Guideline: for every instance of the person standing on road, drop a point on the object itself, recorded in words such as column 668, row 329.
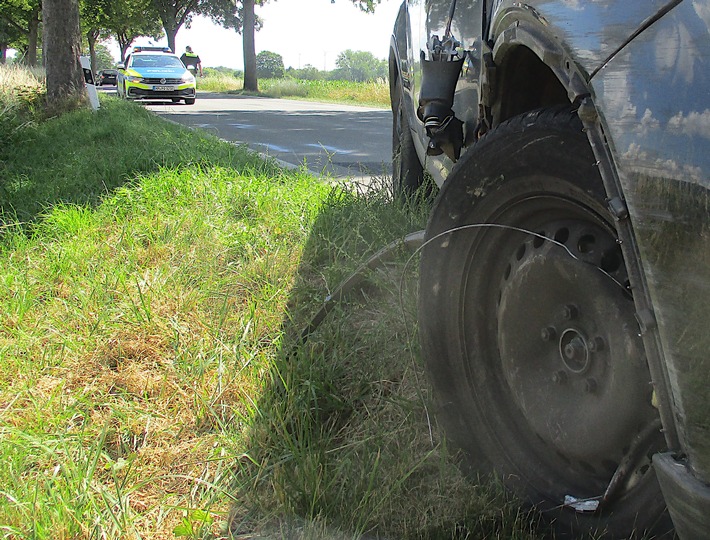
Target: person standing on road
column 192, row 60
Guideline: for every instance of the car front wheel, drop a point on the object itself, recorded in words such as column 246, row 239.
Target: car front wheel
column 528, row 329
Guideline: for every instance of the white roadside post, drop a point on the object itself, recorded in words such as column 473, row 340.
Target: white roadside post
column 89, row 78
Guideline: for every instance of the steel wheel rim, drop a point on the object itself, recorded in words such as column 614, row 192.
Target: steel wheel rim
column 556, row 346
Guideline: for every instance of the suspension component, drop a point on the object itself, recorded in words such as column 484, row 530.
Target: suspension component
column 440, row 73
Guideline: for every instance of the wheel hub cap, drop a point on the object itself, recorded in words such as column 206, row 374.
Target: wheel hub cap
column 574, row 352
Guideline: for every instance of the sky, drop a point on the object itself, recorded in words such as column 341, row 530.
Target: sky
column 302, row 31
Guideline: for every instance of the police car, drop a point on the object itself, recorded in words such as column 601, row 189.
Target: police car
column 155, row 73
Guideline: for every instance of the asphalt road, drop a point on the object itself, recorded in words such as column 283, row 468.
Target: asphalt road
column 338, row 140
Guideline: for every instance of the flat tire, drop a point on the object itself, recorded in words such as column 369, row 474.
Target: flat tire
column 528, row 330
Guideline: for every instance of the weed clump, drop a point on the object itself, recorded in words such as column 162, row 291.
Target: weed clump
column 22, row 98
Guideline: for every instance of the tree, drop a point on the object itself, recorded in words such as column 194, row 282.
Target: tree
column 176, row 13
column 61, row 49
column 239, row 15
column 128, row 19
column 9, row 36
column 104, row 58
column 244, row 20
column 306, row 73
column 250, row 23
column 21, row 21
column 242, row 17
column 249, row 47
column 269, row 65
column 236, row 14
column 94, row 22
column 359, row 66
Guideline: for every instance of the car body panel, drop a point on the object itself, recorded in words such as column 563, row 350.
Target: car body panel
column 590, row 31
column 687, row 498
column 662, row 152
column 643, row 66
column 605, row 27
column 415, row 25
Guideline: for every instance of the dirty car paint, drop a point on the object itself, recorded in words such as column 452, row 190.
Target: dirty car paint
column 655, row 99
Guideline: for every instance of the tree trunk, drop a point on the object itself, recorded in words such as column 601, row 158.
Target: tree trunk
column 62, row 48
column 32, row 38
column 91, row 37
column 124, row 50
column 250, row 82
column 3, row 53
column 122, row 46
column 170, row 33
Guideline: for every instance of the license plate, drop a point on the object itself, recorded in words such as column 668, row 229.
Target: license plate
column 164, row 88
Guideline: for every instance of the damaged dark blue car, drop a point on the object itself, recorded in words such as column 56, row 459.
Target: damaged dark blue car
column 565, row 277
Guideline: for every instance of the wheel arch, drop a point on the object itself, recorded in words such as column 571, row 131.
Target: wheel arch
column 393, row 72
column 532, row 70
column 397, row 52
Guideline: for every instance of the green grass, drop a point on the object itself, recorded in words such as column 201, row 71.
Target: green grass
column 217, row 81
column 368, row 93
column 21, row 93
column 154, row 282
column 53, row 164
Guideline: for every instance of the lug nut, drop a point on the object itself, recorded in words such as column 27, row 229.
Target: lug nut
column 570, row 312
column 596, row 344
column 559, row 377
column 548, row 333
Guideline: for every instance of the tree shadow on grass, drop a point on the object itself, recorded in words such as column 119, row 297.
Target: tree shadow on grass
column 315, row 439
column 342, row 443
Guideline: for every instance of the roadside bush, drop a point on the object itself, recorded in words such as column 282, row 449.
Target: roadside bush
column 219, row 81
column 283, row 87
column 358, row 66
column 307, row 73
column 269, row 65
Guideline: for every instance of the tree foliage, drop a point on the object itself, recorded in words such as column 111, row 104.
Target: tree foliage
column 94, row 24
column 269, row 65
column 13, row 21
column 306, row 73
column 174, row 14
column 104, row 58
column 225, row 13
column 20, row 26
column 368, row 6
column 129, row 19
column 9, row 37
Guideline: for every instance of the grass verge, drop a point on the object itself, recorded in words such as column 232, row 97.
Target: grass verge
column 151, row 380
column 375, row 94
